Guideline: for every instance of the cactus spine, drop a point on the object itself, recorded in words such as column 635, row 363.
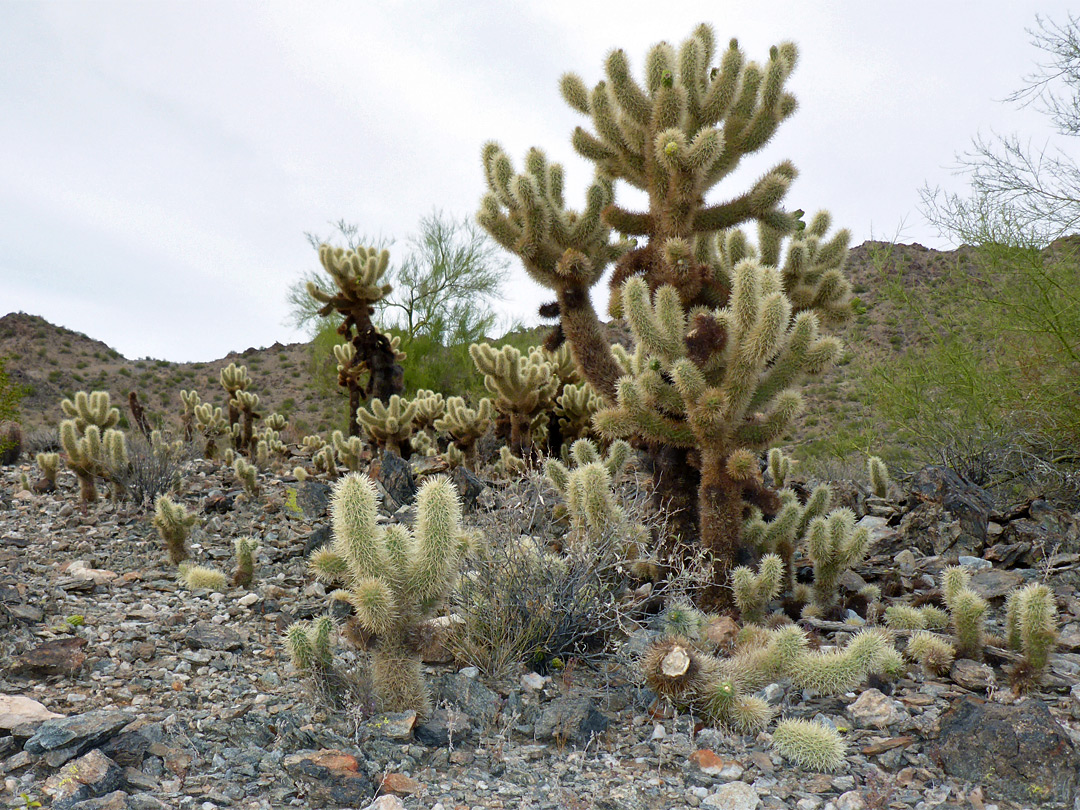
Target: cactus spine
column 393, row 577
column 724, row 330
column 174, row 525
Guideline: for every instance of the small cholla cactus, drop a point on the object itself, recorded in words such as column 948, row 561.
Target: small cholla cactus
column 394, row 578
column 198, row 577
column 389, row 426
column 309, row 645
column 904, row 617
column 676, row 669
column 834, row 671
column 211, row 423
column 834, row 545
column 246, row 547
column 49, row 463
column 779, row 467
column 466, row 426
column 247, row 474
column 879, row 476
column 233, row 379
column 91, row 409
column 174, row 525
column 191, row 401
column 967, row 612
column 349, row 451
column 245, row 402
column 524, row 387
column 753, row 592
column 1031, row 623
column 809, row 744
column 324, row 462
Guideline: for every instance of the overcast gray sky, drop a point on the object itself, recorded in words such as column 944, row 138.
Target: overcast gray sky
column 160, row 162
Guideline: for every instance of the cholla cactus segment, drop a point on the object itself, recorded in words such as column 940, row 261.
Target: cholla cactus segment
column 686, row 621
column 49, row 464
column 753, row 591
column 834, row 546
column 198, row 577
column 779, row 467
column 324, row 461
column 954, row 579
column 934, row 654
column 354, row 510
column 1031, row 623
column 809, row 744
column 328, row 566
column 313, row 442
column 935, row 617
column 879, row 476
column 91, row 409
column 388, row 426
column 835, row 671
column 174, row 525
column 904, row 617
column 246, row 548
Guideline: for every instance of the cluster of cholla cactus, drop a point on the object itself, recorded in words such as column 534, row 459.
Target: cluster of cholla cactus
column 393, row 577
column 309, row 645
column 93, row 447
column 465, row 426
column 389, row 425
column 679, row 667
column 49, row 464
column 724, row 329
column 173, row 524
column 524, row 386
column 587, row 490
column 1031, row 626
column 371, row 370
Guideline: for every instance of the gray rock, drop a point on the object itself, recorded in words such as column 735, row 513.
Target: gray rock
column 468, row 486
column 875, row 710
column 733, row 796
column 395, row 476
column 444, row 727
column 81, row 732
column 330, row 777
column 207, row 636
column 469, row 695
column 1020, row 752
column 570, row 719
column 314, row 499
column 994, row 583
column 320, row 537
column 88, row 777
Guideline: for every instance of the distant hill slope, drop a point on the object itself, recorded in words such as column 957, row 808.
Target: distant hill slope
column 55, row 362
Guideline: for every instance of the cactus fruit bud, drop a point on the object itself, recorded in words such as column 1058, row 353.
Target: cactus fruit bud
column 809, row 744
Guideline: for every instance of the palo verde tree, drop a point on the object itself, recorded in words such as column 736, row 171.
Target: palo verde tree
column 725, row 328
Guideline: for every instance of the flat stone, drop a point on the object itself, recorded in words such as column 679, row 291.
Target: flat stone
column 314, row 499
column 89, row 776
column 61, row 656
column 573, row 719
column 206, row 636
column 995, row 583
column 972, row 675
column 872, row 709
column 330, row 777
column 19, row 710
column 400, row 784
column 117, row 800
column 471, row 696
column 1017, row 752
column 80, row 732
column 445, row 727
column 720, row 631
column 393, row 725
column 393, row 474
column 733, row 796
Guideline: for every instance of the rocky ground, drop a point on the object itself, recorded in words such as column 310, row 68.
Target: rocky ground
column 120, row 688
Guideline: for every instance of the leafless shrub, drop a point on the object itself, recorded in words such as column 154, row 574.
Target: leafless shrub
column 41, row 440
column 150, row 471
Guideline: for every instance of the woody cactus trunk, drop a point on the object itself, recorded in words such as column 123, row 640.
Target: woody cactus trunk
column 356, row 275
column 724, row 328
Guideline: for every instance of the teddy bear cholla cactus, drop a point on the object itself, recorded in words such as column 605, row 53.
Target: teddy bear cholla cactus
column 174, row 525
column 393, row 577
column 389, row 426
column 1031, row 623
column 466, row 425
column 724, row 330
column 524, row 386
